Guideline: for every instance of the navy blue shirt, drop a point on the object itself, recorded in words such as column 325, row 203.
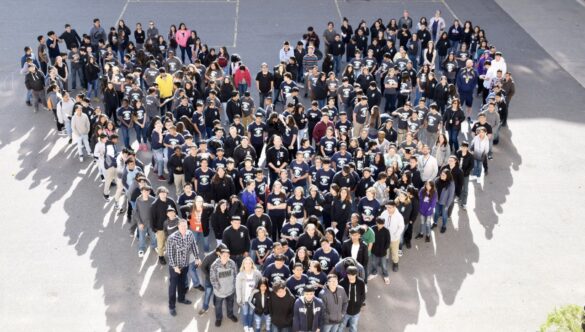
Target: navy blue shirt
column 295, row 230
column 298, row 170
column 368, row 210
column 327, row 260
column 273, row 274
column 262, row 247
column 257, row 133
column 323, row 179
column 297, row 286
column 296, row 206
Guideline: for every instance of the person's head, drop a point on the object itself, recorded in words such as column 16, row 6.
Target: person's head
column 332, row 281
column 391, row 207
column 352, row 273
column 183, row 226
column 325, row 244
column 354, row 234
column 309, row 293
column 279, row 288
column 247, row 264
column 224, row 256
column 310, row 229
column 236, row 222
column 298, row 270
column 171, row 213
column 279, row 261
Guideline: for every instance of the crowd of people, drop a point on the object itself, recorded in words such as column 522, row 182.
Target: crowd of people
column 359, row 140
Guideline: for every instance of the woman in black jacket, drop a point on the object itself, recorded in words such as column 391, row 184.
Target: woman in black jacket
column 111, row 102
column 220, row 219
column 260, row 301
column 404, row 206
column 443, row 46
column 319, row 91
column 222, row 185
column 341, row 210
column 314, row 203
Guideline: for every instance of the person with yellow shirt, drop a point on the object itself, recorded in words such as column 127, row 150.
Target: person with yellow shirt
column 165, row 88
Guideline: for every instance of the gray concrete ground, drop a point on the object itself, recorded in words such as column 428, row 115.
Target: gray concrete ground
column 69, row 264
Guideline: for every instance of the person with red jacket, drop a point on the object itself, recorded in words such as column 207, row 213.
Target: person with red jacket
column 242, row 79
column 321, row 128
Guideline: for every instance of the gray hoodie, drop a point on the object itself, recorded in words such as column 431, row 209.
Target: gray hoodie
column 335, row 305
column 241, row 285
column 143, row 213
column 223, row 278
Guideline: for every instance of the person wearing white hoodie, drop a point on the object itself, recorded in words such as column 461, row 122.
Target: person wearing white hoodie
column 394, row 221
column 480, row 147
column 65, row 112
column 80, row 127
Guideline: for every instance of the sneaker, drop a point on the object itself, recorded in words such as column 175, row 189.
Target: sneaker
column 173, row 312
column 469, row 119
column 372, row 277
column 408, row 246
column 140, row 253
column 399, row 253
column 62, row 133
column 387, row 280
column 200, row 288
column 427, row 238
column 185, row 301
column 433, row 226
column 418, row 236
column 395, row 267
column 162, row 260
column 80, row 159
column 202, row 311
column 443, row 229
column 218, row 323
column 161, row 178
column 233, row 319
column 490, row 156
column 28, row 103
column 463, row 207
column 70, row 141
column 107, row 198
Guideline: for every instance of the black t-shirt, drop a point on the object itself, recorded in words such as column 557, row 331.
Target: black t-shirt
column 264, row 81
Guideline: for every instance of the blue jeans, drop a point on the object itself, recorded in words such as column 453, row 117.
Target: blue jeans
column 247, row 315
column 92, row 86
column 140, row 134
column 321, row 103
column 28, row 96
column 376, row 262
column 208, row 294
column 242, row 88
column 199, row 237
column 76, row 73
column 337, row 63
column 159, row 160
column 332, row 327
column 425, row 225
column 441, row 211
column 280, row 329
column 477, row 166
column 192, row 274
column 453, row 138
column 390, row 103
column 353, row 322
column 218, row 304
column 258, row 319
column 125, row 134
column 142, row 238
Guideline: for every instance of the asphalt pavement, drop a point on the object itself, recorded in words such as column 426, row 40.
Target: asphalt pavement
column 69, row 264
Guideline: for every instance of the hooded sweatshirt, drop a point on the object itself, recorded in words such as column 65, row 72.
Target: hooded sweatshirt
column 223, row 278
column 335, row 304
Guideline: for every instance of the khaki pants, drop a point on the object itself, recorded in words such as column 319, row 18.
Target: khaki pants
column 246, row 120
column 401, row 136
column 357, row 129
column 161, row 242
column 110, row 175
column 394, row 245
column 179, row 183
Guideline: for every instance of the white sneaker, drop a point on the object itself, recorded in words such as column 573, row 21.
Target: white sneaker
column 387, row 280
column 399, row 253
column 372, row 277
column 141, row 254
column 80, row 159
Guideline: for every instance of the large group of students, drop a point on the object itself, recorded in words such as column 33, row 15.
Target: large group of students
column 359, row 140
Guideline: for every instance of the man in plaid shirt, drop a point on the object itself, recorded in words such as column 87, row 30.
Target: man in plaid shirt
column 179, row 245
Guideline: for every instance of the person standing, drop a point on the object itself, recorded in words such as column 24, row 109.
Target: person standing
column 35, row 82
column 335, row 305
column 428, row 165
column 159, row 215
column 446, row 194
column 466, row 163
column 205, row 268
column 222, row 275
column 237, row 239
column 308, row 312
column 355, row 288
column 143, row 218
column 281, row 307
column 380, row 251
column 80, row 127
column 180, row 245
column 394, row 222
column 246, row 282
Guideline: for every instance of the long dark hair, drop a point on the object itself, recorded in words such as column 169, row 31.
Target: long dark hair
column 430, row 193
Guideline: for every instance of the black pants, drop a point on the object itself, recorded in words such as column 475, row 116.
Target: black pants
column 277, row 222
column 408, row 232
column 258, row 148
column 59, row 125
column 177, row 285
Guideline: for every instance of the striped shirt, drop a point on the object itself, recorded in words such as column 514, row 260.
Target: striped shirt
column 179, row 247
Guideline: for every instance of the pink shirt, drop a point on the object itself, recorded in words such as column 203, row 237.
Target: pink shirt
column 182, row 36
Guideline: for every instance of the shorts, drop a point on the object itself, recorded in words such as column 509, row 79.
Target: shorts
column 466, row 98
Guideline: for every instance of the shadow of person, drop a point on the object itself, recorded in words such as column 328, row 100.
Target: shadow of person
column 491, row 191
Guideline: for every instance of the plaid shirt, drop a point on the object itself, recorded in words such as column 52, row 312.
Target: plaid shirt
column 178, row 247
